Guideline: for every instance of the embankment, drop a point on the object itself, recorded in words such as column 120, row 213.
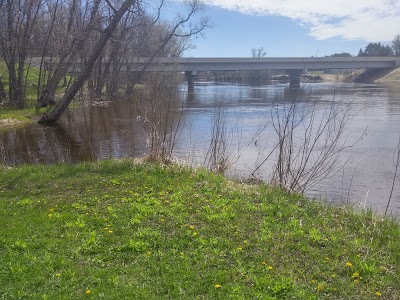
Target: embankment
column 392, row 77
column 373, row 76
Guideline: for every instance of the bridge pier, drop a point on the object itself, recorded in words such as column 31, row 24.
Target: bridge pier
column 294, row 77
column 190, row 77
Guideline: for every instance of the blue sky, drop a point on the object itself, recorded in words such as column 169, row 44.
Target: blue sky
column 293, row 27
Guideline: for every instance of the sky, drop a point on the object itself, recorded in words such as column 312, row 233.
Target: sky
column 292, row 27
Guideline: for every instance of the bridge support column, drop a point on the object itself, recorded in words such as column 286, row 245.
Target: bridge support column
column 294, row 77
column 190, row 77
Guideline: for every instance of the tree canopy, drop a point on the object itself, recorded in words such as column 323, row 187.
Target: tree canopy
column 376, row 49
column 342, row 54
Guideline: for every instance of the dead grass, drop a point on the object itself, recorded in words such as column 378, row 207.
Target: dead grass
column 393, row 76
column 12, row 122
column 333, row 77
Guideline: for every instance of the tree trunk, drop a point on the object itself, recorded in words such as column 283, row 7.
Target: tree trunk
column 2, row 91
column 87, row 69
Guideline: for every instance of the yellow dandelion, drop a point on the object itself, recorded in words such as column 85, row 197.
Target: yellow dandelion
column 313, row 281
column 106, row 228
column 217, row 286
column 110, row 231
column 264, row 263
column 245, row 241
column 194, row 233
column 87, row 292
column 355, row 275
column 378, row 294
column 320, row 287
column 191, row 227
column 162, row 220
column 148, row 253
column 270, row 267
column 349, row 264
column 58, row 275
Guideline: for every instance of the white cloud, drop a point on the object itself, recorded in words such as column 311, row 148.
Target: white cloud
column 370, row 20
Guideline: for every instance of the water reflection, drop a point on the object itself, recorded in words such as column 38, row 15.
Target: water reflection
column 96, row 131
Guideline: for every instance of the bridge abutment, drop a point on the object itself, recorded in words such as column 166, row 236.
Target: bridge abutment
column 190, row 77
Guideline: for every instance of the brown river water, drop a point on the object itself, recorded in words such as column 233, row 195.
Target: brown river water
column 101, row 130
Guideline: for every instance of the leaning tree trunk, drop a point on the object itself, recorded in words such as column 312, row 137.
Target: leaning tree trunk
column 86, row 71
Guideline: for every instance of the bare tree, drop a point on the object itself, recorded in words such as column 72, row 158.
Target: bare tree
column 257, row 75
column 159, row 113
column 17, row 22
column 87, row 69
column 309, row 146
column 218, row 158
column 69, row 54
column 104, row 36
column 181, row 28
column 396, row 45
column 258, row 53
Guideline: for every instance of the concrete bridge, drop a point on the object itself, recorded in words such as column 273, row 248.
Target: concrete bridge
column 293, row 66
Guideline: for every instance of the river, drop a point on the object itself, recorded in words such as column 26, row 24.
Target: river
column 99, row 130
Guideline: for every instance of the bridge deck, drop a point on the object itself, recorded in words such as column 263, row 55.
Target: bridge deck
column 194, row 64
column 268, row 63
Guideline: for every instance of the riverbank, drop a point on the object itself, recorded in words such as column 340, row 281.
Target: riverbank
column 391, row 77
column 369, row 76
column 14, row 118
column 113, row 229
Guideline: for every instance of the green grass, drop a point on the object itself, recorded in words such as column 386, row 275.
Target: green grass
column 140, row 231
column 12, row 117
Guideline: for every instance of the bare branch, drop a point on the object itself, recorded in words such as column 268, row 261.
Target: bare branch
column 111, row 6
column 397, row 163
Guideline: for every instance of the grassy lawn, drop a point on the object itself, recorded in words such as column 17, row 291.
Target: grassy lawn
column 118, row 230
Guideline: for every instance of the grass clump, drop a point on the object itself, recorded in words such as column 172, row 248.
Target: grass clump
column 13, row 118
column 118, row 230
